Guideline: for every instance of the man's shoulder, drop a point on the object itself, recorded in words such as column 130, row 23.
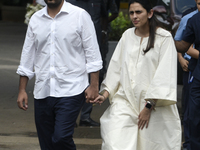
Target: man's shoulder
column 194, row 20
column 196, row 16
column 39, row 13
column 188, row 16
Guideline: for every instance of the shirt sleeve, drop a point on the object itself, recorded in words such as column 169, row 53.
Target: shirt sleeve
column 189, row 34
column 90, row 44
column 27, row 57
column 180, row 31
column 163, row 87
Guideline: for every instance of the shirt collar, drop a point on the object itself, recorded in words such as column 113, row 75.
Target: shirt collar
column 65, row 8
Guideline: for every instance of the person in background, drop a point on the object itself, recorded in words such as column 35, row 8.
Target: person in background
column 112, row 11
column 141, row 84
column 188, row 64
column 98, row 12
column 192, row 36
column 60, row 49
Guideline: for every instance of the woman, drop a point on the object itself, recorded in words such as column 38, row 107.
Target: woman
column 141, row 78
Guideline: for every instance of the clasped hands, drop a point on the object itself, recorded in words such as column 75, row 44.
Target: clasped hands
column 92, row 96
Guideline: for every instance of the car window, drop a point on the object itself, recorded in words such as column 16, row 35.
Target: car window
column 183, row 5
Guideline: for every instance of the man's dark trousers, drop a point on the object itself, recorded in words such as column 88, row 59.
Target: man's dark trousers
column 55, row 119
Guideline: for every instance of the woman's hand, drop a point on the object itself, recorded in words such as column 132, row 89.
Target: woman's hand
column 100, row 99
column 144, row 117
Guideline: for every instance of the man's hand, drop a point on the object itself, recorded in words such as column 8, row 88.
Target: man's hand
column 93, row 90
column 91, row 93
column 144, row 117
column 22, row 100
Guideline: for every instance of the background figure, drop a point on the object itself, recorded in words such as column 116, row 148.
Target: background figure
column 98, row 12
column 112, row 9
column 139, row 78
column 57, row 36
column 192, row 35
column 187, row 65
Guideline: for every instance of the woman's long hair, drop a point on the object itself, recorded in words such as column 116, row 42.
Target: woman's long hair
column 153, row 22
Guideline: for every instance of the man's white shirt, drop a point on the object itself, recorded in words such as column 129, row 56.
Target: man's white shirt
column 60, row 52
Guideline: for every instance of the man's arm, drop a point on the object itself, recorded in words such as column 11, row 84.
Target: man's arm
column 182, row 46
column 93, row 90
column 22, row 99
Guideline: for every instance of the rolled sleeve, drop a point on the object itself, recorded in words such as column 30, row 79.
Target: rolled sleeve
column 94, row 66
column 25, row 72
column 28, row 54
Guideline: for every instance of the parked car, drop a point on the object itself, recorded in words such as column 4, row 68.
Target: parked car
column 169, row 13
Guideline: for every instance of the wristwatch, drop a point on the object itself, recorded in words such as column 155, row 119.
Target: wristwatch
column 148, row 105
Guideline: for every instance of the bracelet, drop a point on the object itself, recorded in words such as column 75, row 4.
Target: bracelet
column 103, row 96
column 152, row 102
column 105, row 32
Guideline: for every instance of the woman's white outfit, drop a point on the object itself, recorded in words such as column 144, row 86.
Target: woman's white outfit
column 134, row 77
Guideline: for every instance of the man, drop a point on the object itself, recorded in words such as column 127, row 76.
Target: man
column 60, row 49
column 192, row 35
column 98, row 12
column 187, row 63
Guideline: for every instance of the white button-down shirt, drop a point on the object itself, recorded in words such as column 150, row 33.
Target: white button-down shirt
column 60, row 52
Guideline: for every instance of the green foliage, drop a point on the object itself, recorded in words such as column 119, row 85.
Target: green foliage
column 118, row 26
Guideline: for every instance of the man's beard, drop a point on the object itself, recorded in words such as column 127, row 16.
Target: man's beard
column 53, row 5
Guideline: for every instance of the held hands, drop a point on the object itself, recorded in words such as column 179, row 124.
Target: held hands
column 91, row 93
column 99, row 100
column 144, row 117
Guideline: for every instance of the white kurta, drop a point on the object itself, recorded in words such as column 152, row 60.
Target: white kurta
column 132, row 78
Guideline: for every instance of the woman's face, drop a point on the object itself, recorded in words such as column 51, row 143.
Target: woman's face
column 139, row 15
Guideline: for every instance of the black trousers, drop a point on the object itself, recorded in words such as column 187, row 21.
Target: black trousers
column 55, row 119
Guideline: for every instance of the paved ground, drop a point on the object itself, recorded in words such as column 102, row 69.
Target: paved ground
column 17, row 129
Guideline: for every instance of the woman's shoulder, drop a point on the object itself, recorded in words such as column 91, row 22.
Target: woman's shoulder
column 162, row 32
column 129, row 32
